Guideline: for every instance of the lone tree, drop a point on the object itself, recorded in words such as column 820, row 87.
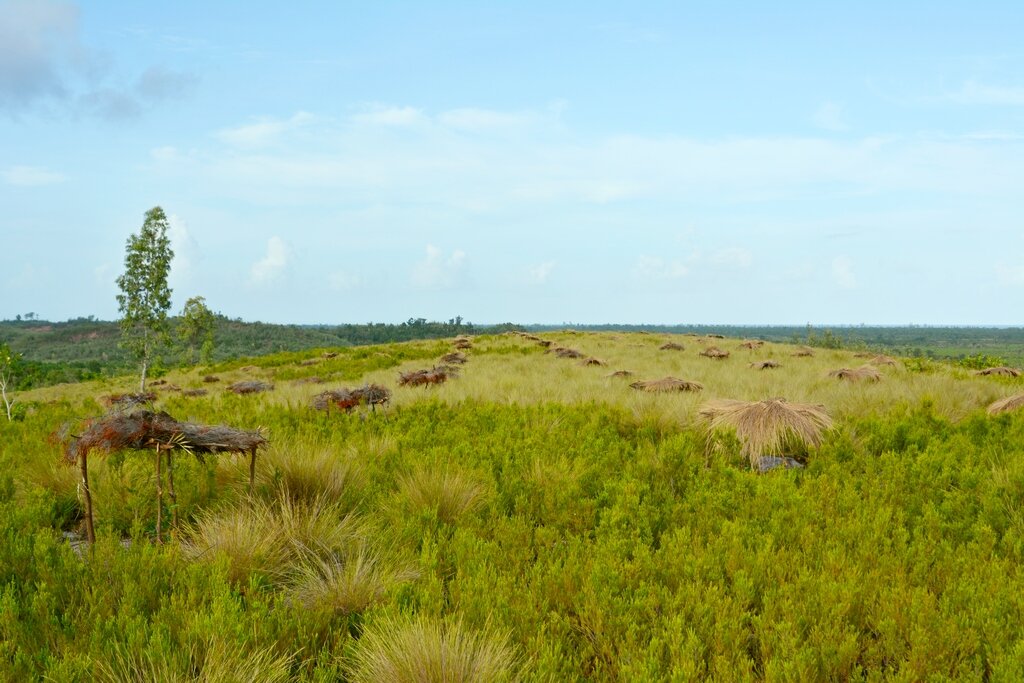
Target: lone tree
column 196, row 329
column 9, row 361
column 145, row 297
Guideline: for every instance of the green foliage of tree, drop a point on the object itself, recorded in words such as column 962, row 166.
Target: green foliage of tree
column 196, row 329
column 10, row 363
column 145, row 296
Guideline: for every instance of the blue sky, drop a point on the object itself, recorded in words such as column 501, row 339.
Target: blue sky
column 661, row 162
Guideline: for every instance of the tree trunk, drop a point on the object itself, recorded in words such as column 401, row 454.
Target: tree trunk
column 159, row 497
column 170, row 492
column 145, row 369
column 90, row 533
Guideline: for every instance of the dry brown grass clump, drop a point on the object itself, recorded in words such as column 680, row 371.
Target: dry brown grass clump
column 451, row 494
column 211, row 378
column 671, row 346
column 546, row 343
column 455, row 357
column 773, row 427
column 667, row 384
column 250, row 387
column 462, row 343
column 765, row 364
column 803, row 352
column 714, row 353
column 195, row 392
column 593, row 361
column 621, row 373
column 563, row 352
column 436, row 375
column 864, row 373
column 428, row 650
column 999, row 371
column 1005, row 405
column 752, row 344
column 882, row 359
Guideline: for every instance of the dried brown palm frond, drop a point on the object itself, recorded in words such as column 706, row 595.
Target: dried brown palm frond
column 593, row 361
column 774, row 427
column 714, row 353
column 999, row 371
column 752, row 344
column 765, row 364
column 436, row 375
column 250, row 387
column 1005, row 405
column 882, row 359
column 671, row 346
column 455, row 357
column 667, row 384
column 864, row 373
column 803, row 352
column 620, row 373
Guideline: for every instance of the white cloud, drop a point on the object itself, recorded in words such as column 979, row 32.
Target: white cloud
column 657, row 268
column 982, row 94
column 438, row 271
column 733, row 257
column 472, row 118
column 186, row 249
column 383, row 115
column 271, row 266
column 540, row 273
column 164, row 154
column 31, row 176
column 842, row 272
column 344, row 281
column 829, row 116
column 263, row 131
column 1011, row 276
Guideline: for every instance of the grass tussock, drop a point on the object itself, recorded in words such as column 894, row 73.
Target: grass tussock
column 312, row 473
column 451, row 493
column 349, row 581
column 773, row 427
column 215, row 661
column 428, row 651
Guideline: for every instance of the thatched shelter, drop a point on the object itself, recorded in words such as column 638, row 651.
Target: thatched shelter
column 752, row 344
column 209, row 379
column 129, row 401
column 563, row 352
column 455, row 357
column 372, row 395
column 546, row 343
column 620, row 373
column 714, row 353
column 145, row 429
column 999, row 371
column 882, row 359
column 765, row 365
column 593, row 361
column 1008, row 404
column 667, row 384
column 435, row 375
column 250, row 387
column 462, row 343
column 803, row 352
column 865, row 373
column 671, row 346
column 768, row 428
column 715, row 336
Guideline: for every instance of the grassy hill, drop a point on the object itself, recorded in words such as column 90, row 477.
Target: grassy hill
column 533, row 517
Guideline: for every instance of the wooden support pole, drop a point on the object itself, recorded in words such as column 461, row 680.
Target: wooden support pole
column 90, row 533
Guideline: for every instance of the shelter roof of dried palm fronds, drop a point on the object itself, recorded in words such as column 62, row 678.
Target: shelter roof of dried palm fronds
column 211, row 378
column 771, row 427
column 667, row 384
column 765, row 364
column 620, row 373
column 195, row 392
column 347, row 399
column 864, row 373
column 128, row 401
column 593, row 361
column 437, row 375
column 714, row 352
column 671, row 346
column 148, row 429
column 454, row 357
column 803, row 352
column 1005, row 405
column 752, row 344
column 882, row 359
column 463, row 344
column 715, row 336
column 999, row 371
column 563, row 352
column 546, row 343
column 250, row 387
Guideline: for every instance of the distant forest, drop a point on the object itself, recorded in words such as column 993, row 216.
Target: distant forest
column 85, row 348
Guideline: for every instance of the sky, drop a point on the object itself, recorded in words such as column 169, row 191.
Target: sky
column 571, row 162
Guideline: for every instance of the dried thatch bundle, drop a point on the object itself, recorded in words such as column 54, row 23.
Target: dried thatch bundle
column 346, row 399
column 250, row 387
column 437, row 375
column 773, row 427
column 667, row 384
column 593, row 361
column 715, row 336
column 463, row 345
column 621, row 373
column 1005, row 405
column 715, row 353
column 129, row 401
column 454, row 357
column 882, row 359
column 195, row 392
column 158, row 382
column 1000, row 371
column 803, row 352
column 563, row 352
column 671, row 346
column 864, row 373
column 752, row 344
column 546, row 343
column 211, row 378
column 765, row 365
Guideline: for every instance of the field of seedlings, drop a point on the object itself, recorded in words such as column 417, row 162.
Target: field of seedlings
column 560, row 507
